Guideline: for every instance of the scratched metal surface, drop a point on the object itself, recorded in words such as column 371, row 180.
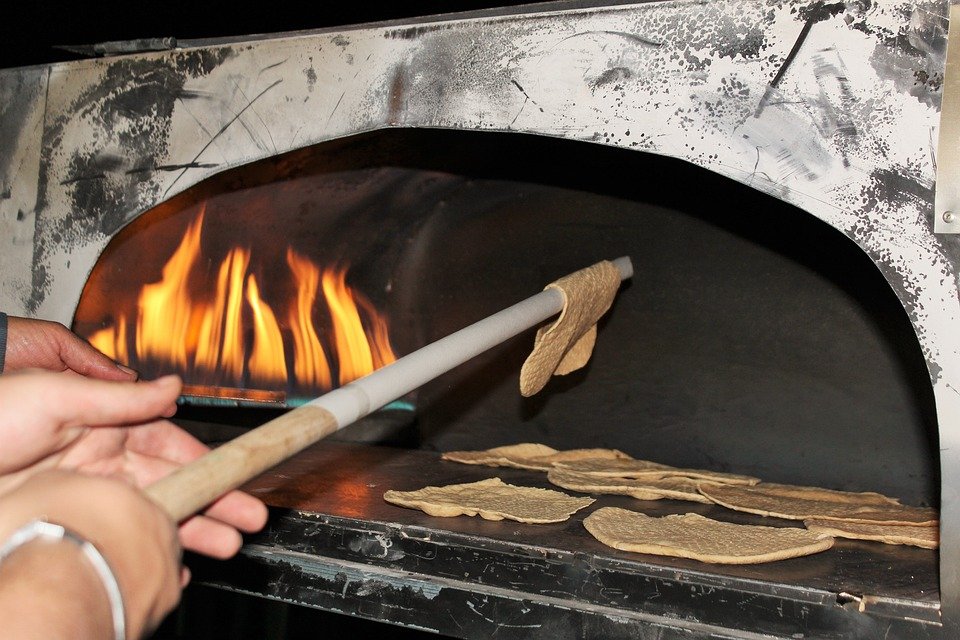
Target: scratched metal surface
column 339, row 526
column 832, row 107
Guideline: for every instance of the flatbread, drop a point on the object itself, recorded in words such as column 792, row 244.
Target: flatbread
column 807, row 503
column 673, row 488
column 693, row 536
column 830, row 495
column 529, row 455
column 566, row 345
column 491, row 499
column 499, row 456
column 927, row 537
column 618, row 468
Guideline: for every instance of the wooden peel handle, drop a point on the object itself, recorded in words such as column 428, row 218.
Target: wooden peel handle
column 194, row 486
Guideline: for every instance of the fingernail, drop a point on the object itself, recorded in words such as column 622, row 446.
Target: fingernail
column 168, row 381
column 129, row 371
column 170, row 411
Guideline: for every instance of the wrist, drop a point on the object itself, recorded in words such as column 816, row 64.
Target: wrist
column 41, row 530
column 73, row 603
column 137, row 539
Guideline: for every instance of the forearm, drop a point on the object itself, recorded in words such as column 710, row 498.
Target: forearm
column 50, row 590
column 127, row 558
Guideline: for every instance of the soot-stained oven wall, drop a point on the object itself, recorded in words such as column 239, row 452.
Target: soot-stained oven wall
column 832, row 108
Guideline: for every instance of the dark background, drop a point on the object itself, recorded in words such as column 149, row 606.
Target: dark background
column 31, row 31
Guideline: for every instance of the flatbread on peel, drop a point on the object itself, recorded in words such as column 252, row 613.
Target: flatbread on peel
column 693, row 536
column 566, row 345
column 673, row 488
column 491, row 499
column 807, row 503
column 927, row 537
column 619, row 468
column 528, row 455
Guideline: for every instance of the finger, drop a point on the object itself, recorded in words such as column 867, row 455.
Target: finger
column 240, row 510
column 210, row 537
column 78, row 355
column 236, row 509
column 50, row 345
column 201, row 534
column 166, row 440
column 45, row 412
column 91, row 402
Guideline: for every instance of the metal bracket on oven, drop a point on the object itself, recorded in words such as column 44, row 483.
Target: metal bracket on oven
column 946, row 204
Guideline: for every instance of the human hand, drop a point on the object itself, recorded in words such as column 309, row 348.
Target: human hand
column 62, row 420
column 137, row 539
column 49, row 345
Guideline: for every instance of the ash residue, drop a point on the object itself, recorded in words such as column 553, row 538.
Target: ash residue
column 414, row 33
column 897, row 187
column 822, row 11
column 40, row 287
column 612, row 76
column 913, row 56
column 129, row 113
column 714, row 32
column 127, row 116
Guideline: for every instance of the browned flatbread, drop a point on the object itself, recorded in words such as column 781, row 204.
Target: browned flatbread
column 618, row 468
column 805, row 503
column 927, row 537
column 528, row 455
column 491, row 499
column 674, row 488
column 693, row 536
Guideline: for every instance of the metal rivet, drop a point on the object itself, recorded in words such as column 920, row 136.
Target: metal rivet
column 948, row 217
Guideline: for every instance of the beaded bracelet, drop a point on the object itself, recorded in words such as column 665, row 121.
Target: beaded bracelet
column 55, row 532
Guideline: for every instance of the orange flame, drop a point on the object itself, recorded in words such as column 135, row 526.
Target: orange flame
column 231, row 336
column 268, row 364
column 310, row 364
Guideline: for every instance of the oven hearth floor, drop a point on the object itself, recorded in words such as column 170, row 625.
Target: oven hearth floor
column 333, row 543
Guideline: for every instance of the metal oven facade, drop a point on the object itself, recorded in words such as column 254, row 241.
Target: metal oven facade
column 834, row 109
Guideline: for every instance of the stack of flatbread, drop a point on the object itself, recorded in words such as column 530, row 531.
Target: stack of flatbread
column 825, row 513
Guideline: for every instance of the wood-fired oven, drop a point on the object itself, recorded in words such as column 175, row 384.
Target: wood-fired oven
column 770, row 168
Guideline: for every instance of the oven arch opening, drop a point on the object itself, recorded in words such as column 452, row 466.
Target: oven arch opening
column 754, row 338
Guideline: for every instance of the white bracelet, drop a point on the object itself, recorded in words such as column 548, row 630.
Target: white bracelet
column 50, row 531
